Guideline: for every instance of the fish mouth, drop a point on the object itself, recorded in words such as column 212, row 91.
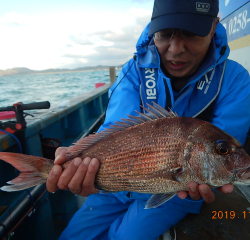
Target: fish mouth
column 242, row 176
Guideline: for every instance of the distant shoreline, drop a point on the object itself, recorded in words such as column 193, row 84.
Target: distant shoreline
column 37, row 73
column 26, row 71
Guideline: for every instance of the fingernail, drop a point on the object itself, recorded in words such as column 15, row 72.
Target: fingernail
column 57, row 157
column 56, row 170
column 204, row 190
column 181, row 195
column 192, row 189
column 93, row 161
column 86, row 161
column 77, row 162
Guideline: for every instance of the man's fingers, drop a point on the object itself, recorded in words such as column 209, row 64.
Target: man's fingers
column 206, row 193
column 78, row 177
column 56, row 171
column 68, row 173
column 203, row 191
column 193, row 191
column 75, row 185
column 53, row 178
column 197, row 192
column 60, row 156
column 228, row 188
column 182, row 194
column 88, row 185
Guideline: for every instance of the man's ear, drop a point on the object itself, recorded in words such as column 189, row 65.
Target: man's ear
column 214, row 27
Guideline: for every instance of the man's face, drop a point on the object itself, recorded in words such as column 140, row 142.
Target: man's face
column 182, row 55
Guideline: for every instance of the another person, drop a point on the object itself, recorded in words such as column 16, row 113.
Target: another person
column 182, row 63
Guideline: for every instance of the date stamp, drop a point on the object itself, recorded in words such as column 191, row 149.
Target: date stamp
column 230, row 215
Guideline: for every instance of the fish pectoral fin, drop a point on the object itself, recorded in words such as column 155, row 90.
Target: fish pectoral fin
column 158, row 199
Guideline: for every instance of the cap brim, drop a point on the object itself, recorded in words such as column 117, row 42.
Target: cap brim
column 195, row 23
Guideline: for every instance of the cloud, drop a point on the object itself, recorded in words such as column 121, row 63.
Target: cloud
column 109, row 35
column 70, row 40
column 76, row 56
column 121, row 49
column 14, row 24
column 13, row 19
column 80, row 40
column 143, row 1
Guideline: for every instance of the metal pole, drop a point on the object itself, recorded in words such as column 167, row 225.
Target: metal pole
column 12, row 217
column 112, row 74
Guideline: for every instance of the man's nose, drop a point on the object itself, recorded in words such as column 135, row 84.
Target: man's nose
column 176, row 44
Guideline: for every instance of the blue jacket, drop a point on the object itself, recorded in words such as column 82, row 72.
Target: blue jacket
column 218, row 79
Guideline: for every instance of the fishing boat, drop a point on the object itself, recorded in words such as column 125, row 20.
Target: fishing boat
column 36, row 214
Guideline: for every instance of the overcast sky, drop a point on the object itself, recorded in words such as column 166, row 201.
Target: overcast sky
column 42, row 34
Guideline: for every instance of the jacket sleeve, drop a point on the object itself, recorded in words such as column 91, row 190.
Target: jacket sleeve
column 124, row 95
column 232, row 110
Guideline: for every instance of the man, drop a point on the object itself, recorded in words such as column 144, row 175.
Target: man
column 181, row 62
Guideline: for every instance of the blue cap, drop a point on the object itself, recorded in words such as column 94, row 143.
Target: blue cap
column 195, row 16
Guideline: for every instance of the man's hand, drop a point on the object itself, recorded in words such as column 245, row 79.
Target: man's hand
column 196, row 192
column 78, row 177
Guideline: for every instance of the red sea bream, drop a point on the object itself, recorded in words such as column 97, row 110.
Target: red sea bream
column 157, row 153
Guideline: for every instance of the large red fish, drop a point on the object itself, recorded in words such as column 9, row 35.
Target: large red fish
column 157, row 153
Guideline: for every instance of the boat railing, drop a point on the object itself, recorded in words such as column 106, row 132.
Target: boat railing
column 67, row 122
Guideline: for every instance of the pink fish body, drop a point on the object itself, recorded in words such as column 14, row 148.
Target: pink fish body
column 157, row 153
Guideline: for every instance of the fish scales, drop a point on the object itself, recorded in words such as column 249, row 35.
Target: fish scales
column 148, row 149
column 159, row 156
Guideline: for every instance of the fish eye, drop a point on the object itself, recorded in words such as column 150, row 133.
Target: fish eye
column 222, row 148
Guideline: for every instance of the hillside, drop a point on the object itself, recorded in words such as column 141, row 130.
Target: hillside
column 25, row 71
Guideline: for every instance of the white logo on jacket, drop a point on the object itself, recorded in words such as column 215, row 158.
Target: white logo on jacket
column 150, row 83
column 201, row 83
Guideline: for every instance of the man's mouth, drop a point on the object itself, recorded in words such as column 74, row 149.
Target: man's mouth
column 176, row 65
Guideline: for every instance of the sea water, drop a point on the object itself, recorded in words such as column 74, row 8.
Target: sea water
column 55, row 88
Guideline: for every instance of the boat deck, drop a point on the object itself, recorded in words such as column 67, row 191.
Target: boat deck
column 228, row 218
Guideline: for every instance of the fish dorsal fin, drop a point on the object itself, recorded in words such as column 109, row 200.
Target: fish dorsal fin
column 155, row 111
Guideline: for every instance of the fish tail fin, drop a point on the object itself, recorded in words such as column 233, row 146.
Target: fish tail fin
column 34, row 170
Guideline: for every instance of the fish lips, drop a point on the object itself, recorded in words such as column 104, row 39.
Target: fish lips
column 243, row 176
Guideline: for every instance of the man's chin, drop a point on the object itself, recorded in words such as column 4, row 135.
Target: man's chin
column 179, row 73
